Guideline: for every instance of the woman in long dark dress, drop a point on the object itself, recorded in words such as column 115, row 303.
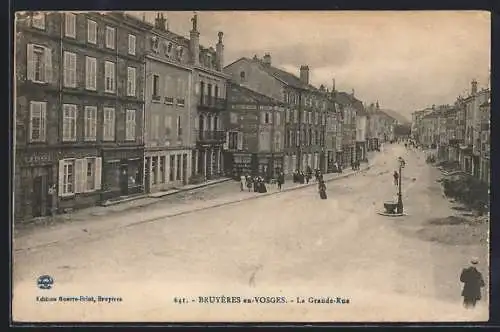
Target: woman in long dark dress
column 322, row 190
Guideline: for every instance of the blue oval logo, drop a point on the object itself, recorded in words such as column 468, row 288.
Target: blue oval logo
column 45, row 282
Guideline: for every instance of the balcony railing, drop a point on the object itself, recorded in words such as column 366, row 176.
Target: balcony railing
column 210, row 136
column 214, row 103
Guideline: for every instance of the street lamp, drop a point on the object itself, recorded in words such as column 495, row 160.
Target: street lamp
column 399, row 207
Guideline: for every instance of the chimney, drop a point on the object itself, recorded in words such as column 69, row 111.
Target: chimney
column 473, row 87
column 377, row 105
column 267, row 59
column 220, row 52
column 194, row 42
column 333, row 84
column 304, row 74
column 160, row 22
column 352, row 92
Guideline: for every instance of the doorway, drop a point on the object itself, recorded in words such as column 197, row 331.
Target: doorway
column 40, row 200
column 124, row 179
column 147, row 175
column 184, row 168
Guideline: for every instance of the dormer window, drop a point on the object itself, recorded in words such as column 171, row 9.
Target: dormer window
column 155, row 43
column 180, row 51
column 169, row 48
column 242, row 75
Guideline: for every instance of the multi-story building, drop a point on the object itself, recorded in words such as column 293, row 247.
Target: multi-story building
column 168, row 107
column 346, row 103
column 210, row 84
column 428, row 135
column 79, row 110
column 451, row 116
column 304, row 110
column 361, row 125
column 442, row 132
column 485, row 142
column 333, row 136
column 371, row 127
column 255, row 133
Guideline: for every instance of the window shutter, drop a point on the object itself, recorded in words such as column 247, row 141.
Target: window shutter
column 48, row 65
column 97, row 173
column 278, row 118
column 226, row 142
column 66, row 65
column 240, row 141
column 263, row 117
column 30, row 65
column 43, row 117
column 60, row 188
column 88, row 72
column 79, row 169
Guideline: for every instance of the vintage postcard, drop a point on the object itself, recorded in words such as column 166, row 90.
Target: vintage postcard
column 251, row 166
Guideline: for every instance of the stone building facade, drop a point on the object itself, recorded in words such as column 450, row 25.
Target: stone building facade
column 79, row 109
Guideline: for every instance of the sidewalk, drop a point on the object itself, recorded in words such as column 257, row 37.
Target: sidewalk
column 90, row 225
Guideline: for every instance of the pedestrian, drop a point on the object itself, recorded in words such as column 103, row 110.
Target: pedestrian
column 243, row 181
column 278, row 181
column 322, row 190
column 396, row 178
column 249, row 183
column 473, row 282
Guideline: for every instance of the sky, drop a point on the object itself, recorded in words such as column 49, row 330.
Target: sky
column 405, row 60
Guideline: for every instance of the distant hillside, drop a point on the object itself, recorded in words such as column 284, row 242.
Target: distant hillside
column 399, row 117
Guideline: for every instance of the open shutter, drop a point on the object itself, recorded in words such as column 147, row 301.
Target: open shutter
column 278, row 118
column 30, row 65
column 60, row 188
column 43, row 117
column 80, row 170
column 226, row 142
column 66, row 69
column 48, row 65
column 98, row 173
column 240, row 141
column 262, row 117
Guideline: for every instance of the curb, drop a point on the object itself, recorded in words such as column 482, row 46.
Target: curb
column 99, row 233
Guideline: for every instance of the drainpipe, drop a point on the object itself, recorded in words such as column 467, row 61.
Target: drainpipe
column 55, row 199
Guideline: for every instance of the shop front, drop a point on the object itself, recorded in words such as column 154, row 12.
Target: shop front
column 238, row 164
column 339, row 157
column 122, row 172
column 34, row 184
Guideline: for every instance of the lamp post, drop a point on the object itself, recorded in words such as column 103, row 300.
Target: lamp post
column 399, row 207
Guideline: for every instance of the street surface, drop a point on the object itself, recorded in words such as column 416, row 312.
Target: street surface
column 289, row 244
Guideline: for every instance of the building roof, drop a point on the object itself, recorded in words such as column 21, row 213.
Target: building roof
column 242, row 92
column 280, row 74
column 345, row 98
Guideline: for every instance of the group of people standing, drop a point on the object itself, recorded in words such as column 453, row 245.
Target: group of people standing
column 355, row 165
column 258, row 184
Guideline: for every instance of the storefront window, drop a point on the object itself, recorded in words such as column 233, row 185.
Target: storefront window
column 162, row 169
column 172, row 167
column 112, row 177
column 134, row 173
column 178, row 173
column 155, row 169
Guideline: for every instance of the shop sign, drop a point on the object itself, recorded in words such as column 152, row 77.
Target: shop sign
column 244, row 107
column 38, row 158
column 242, row 160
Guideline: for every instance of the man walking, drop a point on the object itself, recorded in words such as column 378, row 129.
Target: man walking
column 473, row 282
column 396, row 178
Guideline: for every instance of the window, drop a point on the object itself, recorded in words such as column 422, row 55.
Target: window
column 295, row 116
column 91, row 32
column 90, row 174
column 110, row 38
column 130, row 125
column 154, row 166
column 179, row 126
column 162, row 169
column 109, row 76
column 90, row 123
column 168, row 125
column 70, row 25
column 178, row 168
column 287, row 116
column 232, row 140
column 69, row 122
column 172, row 168
column 242, row 75
column 264, row 141
column 131, row 80
column 69, row 70
column 90, row 73
column 68, row 179
column 156, row 86
column 109, row 124
column 278, row 118
column 38, row 115
column 277, row 141
column 266, row 118
column 131, row 44
column 234, row 118
column 38, row 21
column 39, row 66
